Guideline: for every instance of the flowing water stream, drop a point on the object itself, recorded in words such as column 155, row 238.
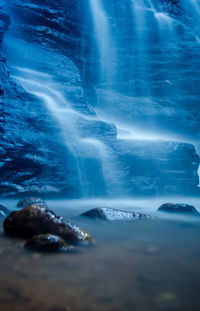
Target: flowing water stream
column 48, row 88
column 145, row 67
column 138, row 49
column 134, row 266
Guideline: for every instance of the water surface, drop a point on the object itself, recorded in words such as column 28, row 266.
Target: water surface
column 142, row 265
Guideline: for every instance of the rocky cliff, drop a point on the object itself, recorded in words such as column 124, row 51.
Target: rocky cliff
column 56, row 39
column 28, row 140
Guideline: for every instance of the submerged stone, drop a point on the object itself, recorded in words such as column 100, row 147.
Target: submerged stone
column 47, row 243
column 30, row 201
column 178, row 208
column 4, row 211
column 34, row 220
column 107, row 213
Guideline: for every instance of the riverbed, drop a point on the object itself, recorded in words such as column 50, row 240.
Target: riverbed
column 134, row 266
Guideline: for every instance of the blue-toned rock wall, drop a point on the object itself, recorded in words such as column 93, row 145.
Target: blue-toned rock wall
column 59, row 38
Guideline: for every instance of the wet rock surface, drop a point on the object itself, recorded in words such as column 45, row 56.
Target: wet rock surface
column 4, row 211
column 110, row 214
column 31, row 201
column 159, row 167
column 178, row 208
column 4, row 23
column 37, row 162
column 46, row 243
column 34, row 161
column 34, row 220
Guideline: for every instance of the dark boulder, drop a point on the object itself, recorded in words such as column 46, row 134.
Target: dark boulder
column 178, row 208
column 46, row 243
column 31, row 201
column 34, row 220
column 107, row 213
column 4, row 211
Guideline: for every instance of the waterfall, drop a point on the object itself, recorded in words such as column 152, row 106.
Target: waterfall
column 91, row 153
column 104, row 43
column 45, row 88
column 135, row 57
column 196, row 5
column 147, row 51
column 147, row 68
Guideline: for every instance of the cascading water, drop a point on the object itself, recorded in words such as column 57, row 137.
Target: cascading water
column 141, row 95
column 99, row 117
column 136, row 58
column 84, row 149
column 90, row 153
column 103, row 41
column 148, row 65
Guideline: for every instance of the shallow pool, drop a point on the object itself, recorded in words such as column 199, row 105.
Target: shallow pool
column 133, row 266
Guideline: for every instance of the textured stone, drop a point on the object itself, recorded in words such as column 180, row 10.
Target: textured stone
column 34, row 220
column 4, row 23
column 46, row 243
column 107, row 213
column 31, row 201
column 178, row 208
column 34, row 158
column 159, row 167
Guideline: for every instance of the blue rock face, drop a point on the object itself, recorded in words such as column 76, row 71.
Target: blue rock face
column 5, row 21
column 151, row 63
column 70, row 127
